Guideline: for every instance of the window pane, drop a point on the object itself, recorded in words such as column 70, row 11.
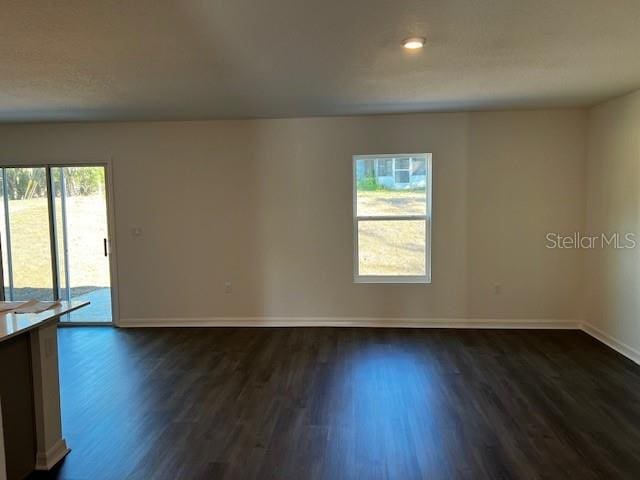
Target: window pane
column 385, row 167
column 418, row 167
column 391, row 247
column 402, row 164
column 402, row 176
column 29, row 232
column 380, row 195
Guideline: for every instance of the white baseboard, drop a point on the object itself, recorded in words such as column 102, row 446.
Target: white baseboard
column 619, row 346
column 47, row 460
column 350, row 322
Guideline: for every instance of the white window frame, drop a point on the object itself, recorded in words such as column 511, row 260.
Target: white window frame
column 357, row 278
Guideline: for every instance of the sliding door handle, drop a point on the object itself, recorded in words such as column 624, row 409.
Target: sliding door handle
column 105, row 248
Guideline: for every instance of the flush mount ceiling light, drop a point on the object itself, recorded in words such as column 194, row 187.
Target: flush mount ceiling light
column 413, row 43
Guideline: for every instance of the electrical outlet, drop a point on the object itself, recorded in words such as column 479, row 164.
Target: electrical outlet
column 136, row 231
column 228, row 288
column 497, row 289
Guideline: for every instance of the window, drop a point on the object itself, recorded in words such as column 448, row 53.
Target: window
column 401, row 171
column 392, row 219
column 418, row 167
column 402, row 163
column 385, row 167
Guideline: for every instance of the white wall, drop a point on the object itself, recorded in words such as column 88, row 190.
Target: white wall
column 267, row 205
column 612, row 293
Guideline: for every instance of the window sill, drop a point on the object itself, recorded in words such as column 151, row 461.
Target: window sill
column 389, row 279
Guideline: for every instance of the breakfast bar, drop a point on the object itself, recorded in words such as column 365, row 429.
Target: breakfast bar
column 30, row 390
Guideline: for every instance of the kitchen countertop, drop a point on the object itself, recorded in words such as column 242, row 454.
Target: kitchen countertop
column 12, row 324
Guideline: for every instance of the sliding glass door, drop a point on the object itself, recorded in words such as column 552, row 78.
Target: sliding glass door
column 82, row 247
column 55, row 238
column 26, row 240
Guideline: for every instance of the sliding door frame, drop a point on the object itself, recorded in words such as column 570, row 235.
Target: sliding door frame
column 7, row 227
column 111, row 234
column 53, row 240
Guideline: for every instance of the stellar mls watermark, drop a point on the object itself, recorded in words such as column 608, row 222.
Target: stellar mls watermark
column 577, row 240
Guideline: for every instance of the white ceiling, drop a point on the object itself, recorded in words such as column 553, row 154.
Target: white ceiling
column 188, row 59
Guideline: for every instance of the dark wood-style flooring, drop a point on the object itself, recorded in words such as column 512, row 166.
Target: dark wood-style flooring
column 350, row 403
